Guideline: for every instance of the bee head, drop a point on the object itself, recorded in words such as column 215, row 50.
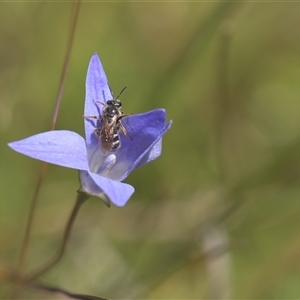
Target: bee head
column 115, row 103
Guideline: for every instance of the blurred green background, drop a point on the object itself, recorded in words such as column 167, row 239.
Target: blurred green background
column 218, row 214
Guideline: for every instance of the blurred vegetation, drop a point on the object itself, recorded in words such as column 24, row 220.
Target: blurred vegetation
column 218, row 214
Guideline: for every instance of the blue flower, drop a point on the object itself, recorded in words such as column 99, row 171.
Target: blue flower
column 100, row 174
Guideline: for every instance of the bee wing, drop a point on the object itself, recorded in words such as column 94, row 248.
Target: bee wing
column 107, row 135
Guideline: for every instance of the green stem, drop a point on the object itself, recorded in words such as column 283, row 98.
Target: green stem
column 81, row 198
column 26, row 238
column 9, row 275
column 25, row 243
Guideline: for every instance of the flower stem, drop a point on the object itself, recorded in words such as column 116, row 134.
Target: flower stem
column 9, row 275
column 81, row 198
column 25, row 243
column 73, row 23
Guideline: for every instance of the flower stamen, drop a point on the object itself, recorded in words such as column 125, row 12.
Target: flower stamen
column 108, row 163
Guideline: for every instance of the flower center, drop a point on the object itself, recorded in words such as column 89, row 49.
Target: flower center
column 108, row 163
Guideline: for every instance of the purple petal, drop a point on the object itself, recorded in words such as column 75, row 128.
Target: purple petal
column 59, row 147
column 97, row 89
column 145, row 131
column 154, row 151
column 94, row 184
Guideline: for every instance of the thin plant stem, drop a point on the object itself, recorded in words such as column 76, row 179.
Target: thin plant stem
column 81, row 198
column 64, row 293
column 223, row 101
column 28, row 228
column 74, row 18
column 8, row 275
column 26, row 238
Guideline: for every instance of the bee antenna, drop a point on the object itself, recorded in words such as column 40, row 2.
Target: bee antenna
column 121, row 92
column 110, row 90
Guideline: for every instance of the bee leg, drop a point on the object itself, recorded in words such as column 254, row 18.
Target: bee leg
column 123, row 130
column 97, row 132
column 127, row 115
column 96, row 101
column 90, row 117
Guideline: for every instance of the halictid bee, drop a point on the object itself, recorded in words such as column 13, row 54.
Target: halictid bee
column 108, row 133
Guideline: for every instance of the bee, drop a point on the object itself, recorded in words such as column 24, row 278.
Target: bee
column 111, row 124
